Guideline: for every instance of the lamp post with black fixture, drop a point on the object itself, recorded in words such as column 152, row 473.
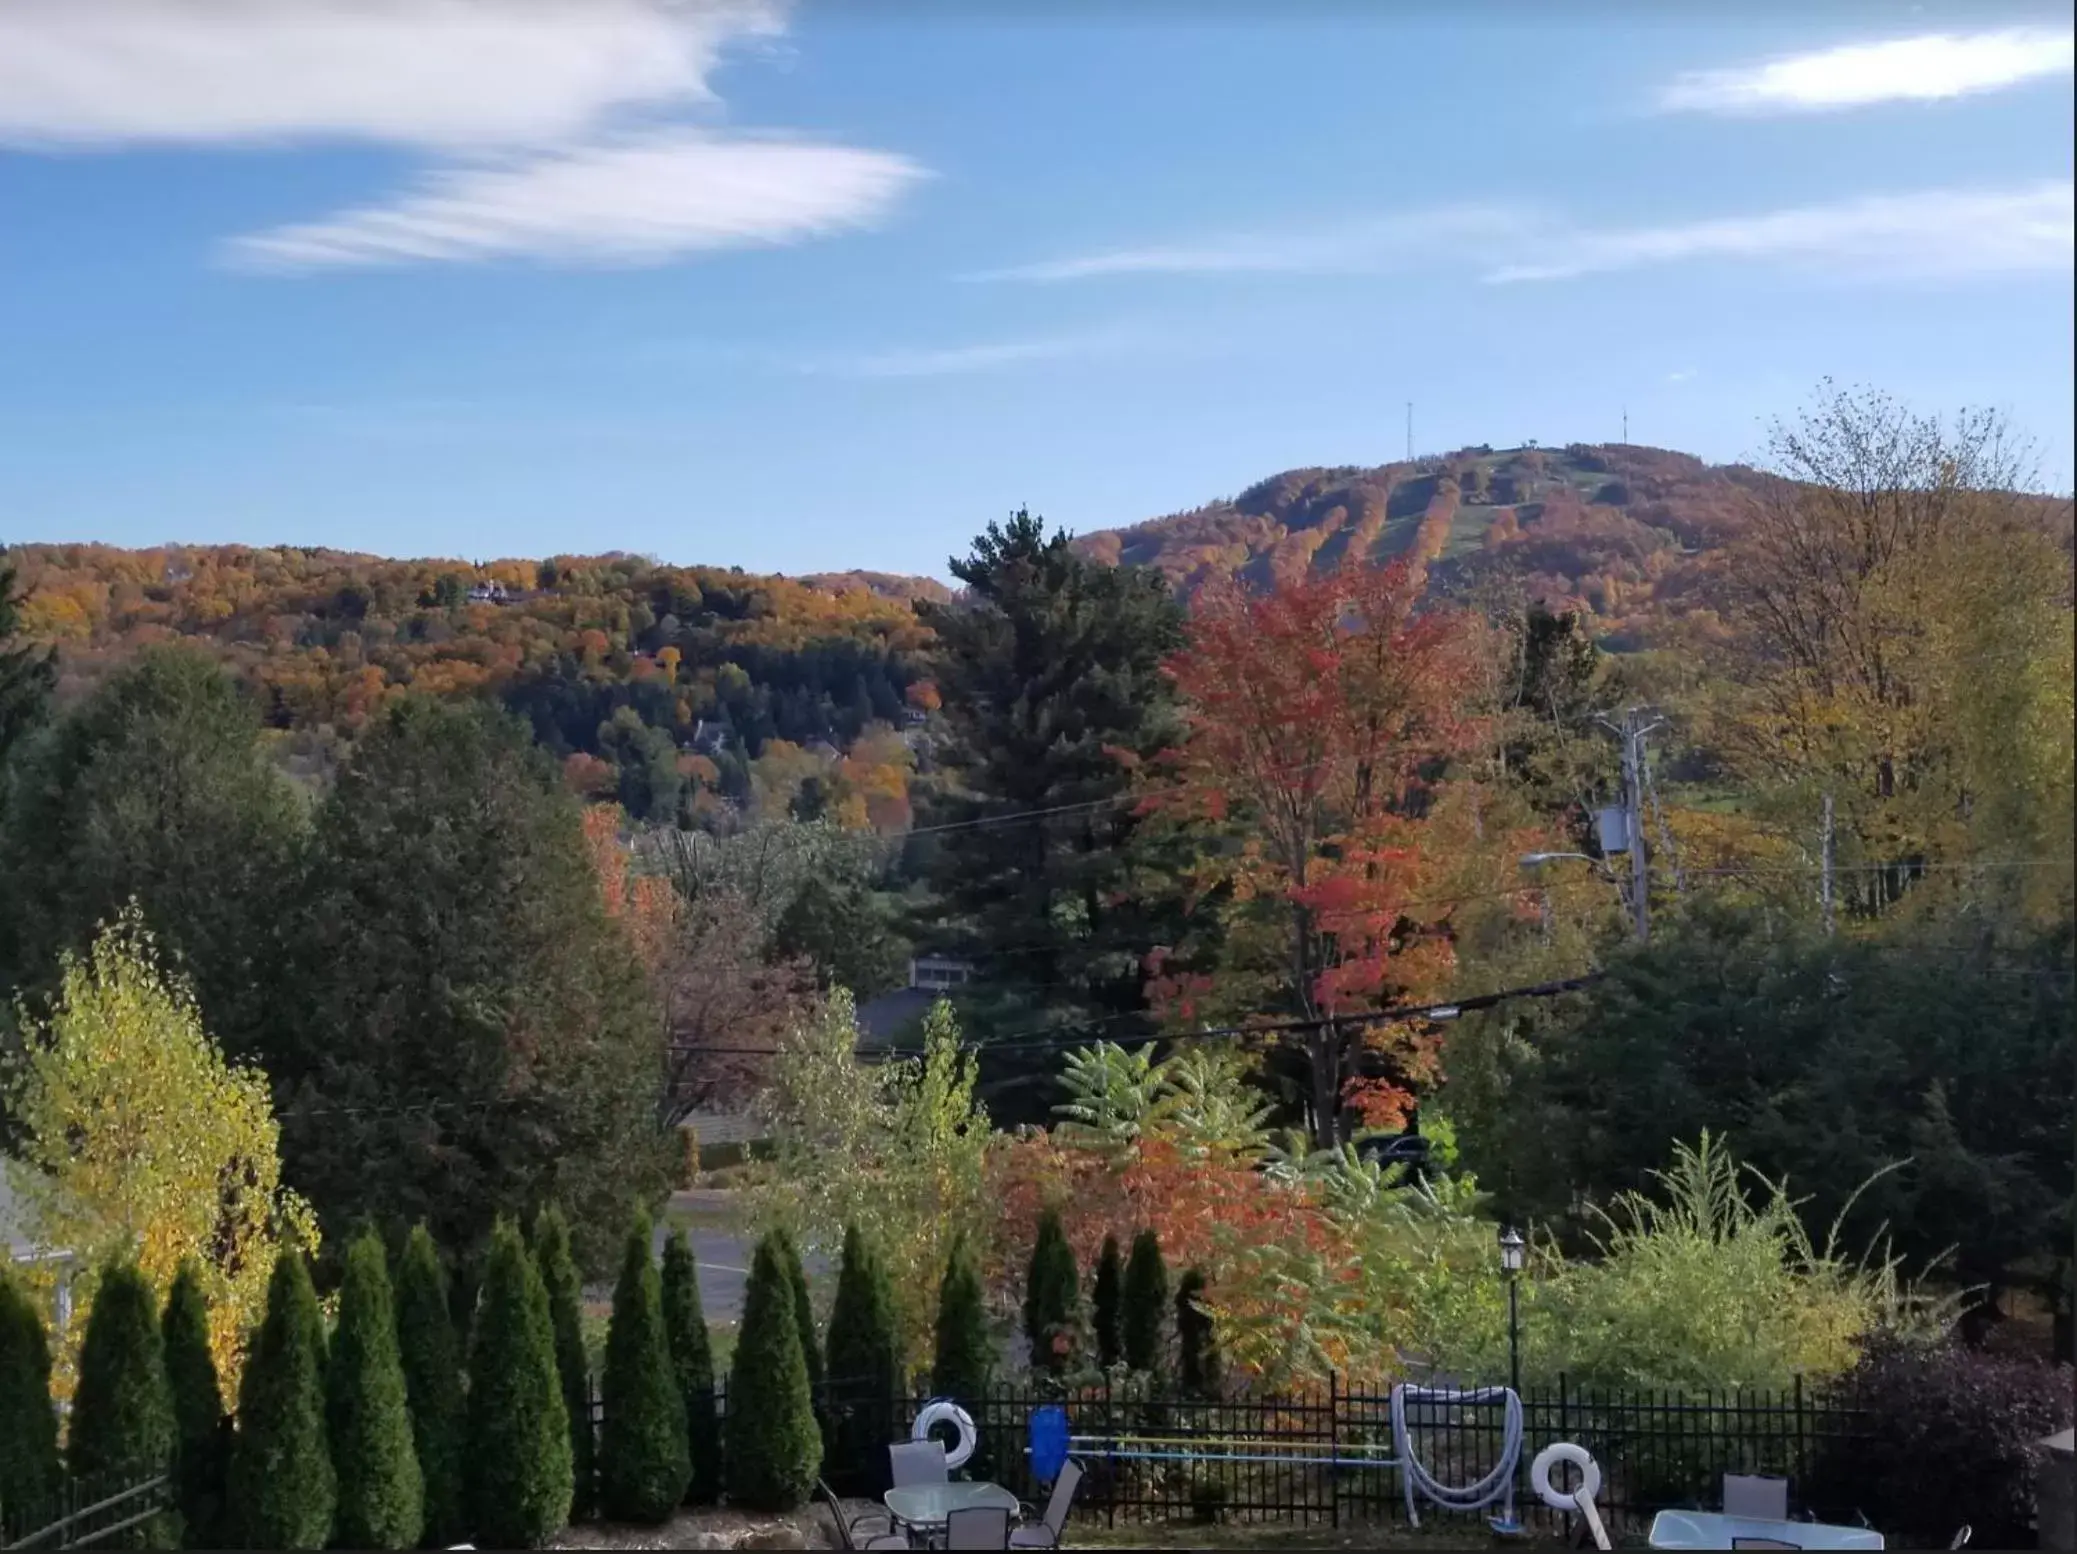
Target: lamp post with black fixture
column 1512, row 1250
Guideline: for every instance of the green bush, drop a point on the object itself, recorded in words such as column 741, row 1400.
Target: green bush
column 774, row 1449
column 122, row 1409
column 1197, row 1345
column 964, row 1356
column 517, row 1465
column 432, row 1363
column 201, row 1428
column 29, row 1468
column 1105, row 1312
column 282, row 1488
column 1052, row 1294
column 644, row 1465
column 572, row 1363
column 803, row 1309
column 1145, row 1303
column 864, row 1370
column 368, row 1414
column 692, row 1357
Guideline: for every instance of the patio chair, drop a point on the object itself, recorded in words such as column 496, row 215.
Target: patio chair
column 918, row 1462
column 1044, row 1532
column 1763, row 1499
column 978, row 1527
column 847, row 1532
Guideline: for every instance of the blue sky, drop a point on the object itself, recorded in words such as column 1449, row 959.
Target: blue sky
column 824, row 286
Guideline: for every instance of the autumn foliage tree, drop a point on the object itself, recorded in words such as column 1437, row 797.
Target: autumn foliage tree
column 1320, row 714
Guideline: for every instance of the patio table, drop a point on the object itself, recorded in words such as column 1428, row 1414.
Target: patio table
column 1712, row 1530
column 925, row 1506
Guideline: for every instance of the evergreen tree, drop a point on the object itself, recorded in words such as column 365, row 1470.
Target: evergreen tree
column 201, row 1427
column 1049, row 666
column 432, row 1362
column 122, row 1409
column 367, row 1412
column 29, row 1469
column 692, row 1357
column 27, row 674
column 864, row 1369
column 572, row 1364
column 282, row 1489
column 644, row 1462
column 1104, row 1309
column 964, row 1358
column 517, row 1465
column 774, row 1450
column 489, row 984
column 1197, row 1367
column 1052, row 1294
column 803, row 1309
column 1145, row 1303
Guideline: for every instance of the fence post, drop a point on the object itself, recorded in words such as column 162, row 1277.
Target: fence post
column 1110, row 1446
column 1333, row 1449
column 1802, row 1465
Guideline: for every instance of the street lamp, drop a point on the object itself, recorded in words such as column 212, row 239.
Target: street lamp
column 1512, row 1248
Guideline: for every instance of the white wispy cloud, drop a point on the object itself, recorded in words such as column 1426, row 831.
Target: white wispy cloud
column 1933, row 233
column 1681, row 375
column 1928, row 68
column 640, row 202
column 435, row 73
column 984, row 356
column 559, row 130
column 1390, row 242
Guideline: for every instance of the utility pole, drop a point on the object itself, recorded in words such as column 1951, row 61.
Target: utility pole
column 1824, row 885
column 1632, row 732
column 1626, row 426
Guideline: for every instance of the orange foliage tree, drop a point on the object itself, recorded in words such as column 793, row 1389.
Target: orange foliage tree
column 1320, row 712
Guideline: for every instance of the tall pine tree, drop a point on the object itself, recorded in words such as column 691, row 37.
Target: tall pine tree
column 367, row 1414
column 803, row 1307
column 518, row 1454
column 572, row 1364
column 432, row 1360
column 283, row 1491
column 27, row 674
column 864, row 1370
column 29, row 1469
column 1197, row 1344
column 963, row 1358
column 644, row 1463
column 692, row 1357
column 122, row 1409
column 1145, row 1304
column 202, row 1428
column 1050, row 670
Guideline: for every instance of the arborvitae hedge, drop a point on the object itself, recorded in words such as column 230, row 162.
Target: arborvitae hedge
column 432, row 1361
column 1105, row 1310
column 566, row 1315
column 1197, row 1363
column 1145, row 1303
column 282, row 1488
column 517, row 1458
column 29, row 1467
column 367, row 1412
column 803, row 1309
column 774, row 1449
column 692, row 1357
column 864, row 1371
column 964, row 1358
column 201, row 1428
column 645, row 1466
column 122, row 1409
column 1052, row 1292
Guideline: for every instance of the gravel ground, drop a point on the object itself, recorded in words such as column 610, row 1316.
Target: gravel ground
column 718, row 1529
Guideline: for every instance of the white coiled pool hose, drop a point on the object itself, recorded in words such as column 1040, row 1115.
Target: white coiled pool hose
column 1497, row 1485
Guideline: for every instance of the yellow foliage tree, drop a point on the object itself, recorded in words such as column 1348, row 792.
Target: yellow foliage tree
column 139, row 1139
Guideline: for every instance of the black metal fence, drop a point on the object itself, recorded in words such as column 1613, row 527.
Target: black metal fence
column 86, row 1512
column 1325, row 1455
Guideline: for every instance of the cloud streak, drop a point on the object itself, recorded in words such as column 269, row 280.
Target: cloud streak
column 1931, row 234
column 963, row 360
column 1934, row 67
column 1388, row 243
column 646, row 201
